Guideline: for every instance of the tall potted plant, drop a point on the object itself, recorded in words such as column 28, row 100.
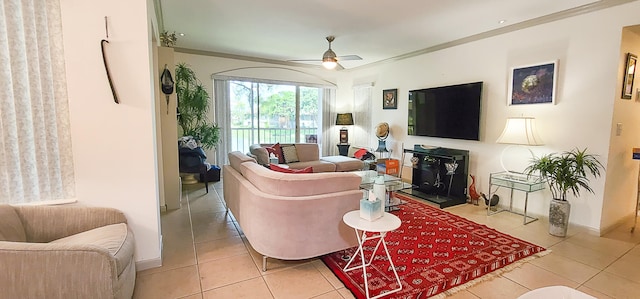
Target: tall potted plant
column 564, row 173
column 193, row 106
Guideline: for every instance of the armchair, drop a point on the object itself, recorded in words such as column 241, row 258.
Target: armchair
column 65, row 252
column 193, row 161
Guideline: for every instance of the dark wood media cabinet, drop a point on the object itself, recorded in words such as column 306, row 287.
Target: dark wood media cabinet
column 439, row 175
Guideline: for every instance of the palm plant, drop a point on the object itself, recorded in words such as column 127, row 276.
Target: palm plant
column 566, row 172
column 193, row 105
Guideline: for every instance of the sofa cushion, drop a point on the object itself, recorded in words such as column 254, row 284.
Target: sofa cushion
column 290, row 154
column 260, row 153
column 11, row 228
column 236, row 158
column 344, row 163
column 277, row 151
column 318, row 166
column 308, row 152
column 292, row 185
column 115, row 238
column 277, row 168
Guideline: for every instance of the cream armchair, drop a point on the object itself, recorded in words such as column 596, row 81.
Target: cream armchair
column 65, row 252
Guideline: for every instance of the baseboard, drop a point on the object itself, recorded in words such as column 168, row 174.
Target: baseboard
column 545, row 218
column 148, row 264
column 603, row 231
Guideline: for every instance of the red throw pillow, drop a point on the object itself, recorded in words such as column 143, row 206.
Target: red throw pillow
column 360, row 153
column 277, row 168
column 277, row 151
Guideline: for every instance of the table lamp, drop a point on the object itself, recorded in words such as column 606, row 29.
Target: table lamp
column 344, row 119
column 519, row 131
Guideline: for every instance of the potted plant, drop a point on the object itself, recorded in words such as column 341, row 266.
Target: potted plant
column 564, row 173
column 193, row 106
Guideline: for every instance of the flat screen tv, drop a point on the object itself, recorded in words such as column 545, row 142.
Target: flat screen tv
column 446, row 112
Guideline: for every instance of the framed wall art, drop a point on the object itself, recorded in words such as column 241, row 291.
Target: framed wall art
column 390, row 99
column 629, row 74
column 533, row 84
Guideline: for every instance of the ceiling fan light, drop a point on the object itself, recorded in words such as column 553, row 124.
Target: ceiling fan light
column 329, row 63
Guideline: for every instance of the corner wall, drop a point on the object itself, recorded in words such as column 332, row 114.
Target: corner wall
column 622, row 171
column 113, row 144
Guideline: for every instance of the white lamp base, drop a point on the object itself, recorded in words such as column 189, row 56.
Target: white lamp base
column 511, row 146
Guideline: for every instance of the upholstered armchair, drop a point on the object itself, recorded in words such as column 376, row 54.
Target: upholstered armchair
column 65, row 252
column 193, row 161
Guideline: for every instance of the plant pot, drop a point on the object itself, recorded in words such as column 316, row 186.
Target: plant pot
column 559, row 211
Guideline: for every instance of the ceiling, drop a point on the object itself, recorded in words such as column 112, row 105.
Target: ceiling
column 280, row 30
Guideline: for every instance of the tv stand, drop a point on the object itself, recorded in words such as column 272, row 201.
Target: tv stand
column 439, row 175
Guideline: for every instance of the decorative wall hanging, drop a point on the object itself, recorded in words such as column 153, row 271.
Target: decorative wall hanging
column 104, row 60
column 166, row 81
column 390, row 99
column 533, row 84
column 629, row 74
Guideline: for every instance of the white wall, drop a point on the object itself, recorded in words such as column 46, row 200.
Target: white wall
column 166, row 116
column 622, row 174
column 588, row 49
column 113, row 145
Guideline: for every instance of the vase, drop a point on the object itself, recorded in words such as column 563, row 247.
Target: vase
column 559, row 211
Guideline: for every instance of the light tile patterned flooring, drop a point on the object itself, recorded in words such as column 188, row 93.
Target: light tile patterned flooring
column 206, row 256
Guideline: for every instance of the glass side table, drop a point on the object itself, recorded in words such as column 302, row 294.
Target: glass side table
column 515, row 181
column 391, row 184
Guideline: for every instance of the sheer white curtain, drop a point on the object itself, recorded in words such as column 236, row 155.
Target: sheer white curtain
column 223, row 119
column 35, row 145
column 362, row 103
column 328, row 140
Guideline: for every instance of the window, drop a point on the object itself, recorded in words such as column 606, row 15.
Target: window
column 271, row 113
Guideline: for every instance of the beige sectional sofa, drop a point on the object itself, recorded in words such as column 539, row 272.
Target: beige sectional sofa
column 290, row 216
column 65, row 252
column 309, row 155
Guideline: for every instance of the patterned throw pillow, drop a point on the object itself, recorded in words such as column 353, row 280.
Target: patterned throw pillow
column 277, row 168
column 276, row 150
column 290, row 153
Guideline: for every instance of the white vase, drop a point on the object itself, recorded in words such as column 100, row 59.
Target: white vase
column 559, row 211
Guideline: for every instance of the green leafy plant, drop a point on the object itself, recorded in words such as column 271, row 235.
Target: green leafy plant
column 566, row 172
column 193, row 106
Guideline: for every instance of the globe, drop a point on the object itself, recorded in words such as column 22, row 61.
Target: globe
column 382, row 131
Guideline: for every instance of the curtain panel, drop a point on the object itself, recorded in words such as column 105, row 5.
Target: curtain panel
column 36, row 162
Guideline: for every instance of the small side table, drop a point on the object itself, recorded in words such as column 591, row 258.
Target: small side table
column 515, row 181
column 343, row 149
column 388, row 222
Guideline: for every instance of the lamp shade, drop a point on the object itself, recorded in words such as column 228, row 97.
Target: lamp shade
column 520, row 130
column 344, row 119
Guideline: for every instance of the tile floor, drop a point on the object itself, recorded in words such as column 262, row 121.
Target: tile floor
column 205, row 256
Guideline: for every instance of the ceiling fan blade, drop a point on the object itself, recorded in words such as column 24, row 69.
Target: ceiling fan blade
column 349, row 57
column 305, row 60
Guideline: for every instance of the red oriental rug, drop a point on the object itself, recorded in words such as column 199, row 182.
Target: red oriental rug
column 434, row 252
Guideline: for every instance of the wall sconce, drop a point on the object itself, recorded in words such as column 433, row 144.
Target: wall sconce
column 344, row 119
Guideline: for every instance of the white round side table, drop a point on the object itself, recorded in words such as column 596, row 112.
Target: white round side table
column 379, row 227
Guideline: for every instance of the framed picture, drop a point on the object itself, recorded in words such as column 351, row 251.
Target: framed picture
column 629, row 74
column 311, row 138
column 533, row 84
column 390, row 99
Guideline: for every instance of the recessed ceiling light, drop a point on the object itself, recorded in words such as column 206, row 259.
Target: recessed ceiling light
column 502, row 21
column 182, row 34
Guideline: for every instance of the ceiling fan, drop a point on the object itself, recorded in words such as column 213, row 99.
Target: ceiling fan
column 329, row 58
